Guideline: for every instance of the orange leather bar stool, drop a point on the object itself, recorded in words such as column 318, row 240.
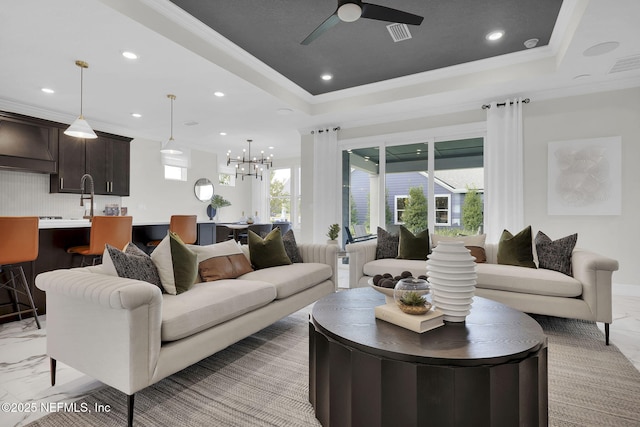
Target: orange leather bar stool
column 185, row 226
column 18, row 244
column 114, row 230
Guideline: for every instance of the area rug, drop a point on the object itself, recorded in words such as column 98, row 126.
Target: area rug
column 263, row 381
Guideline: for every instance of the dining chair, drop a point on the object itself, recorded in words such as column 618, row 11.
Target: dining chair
column 283, row 226
column 185, row 226
column 19, row 243
column 114, row 230
column 223, row 233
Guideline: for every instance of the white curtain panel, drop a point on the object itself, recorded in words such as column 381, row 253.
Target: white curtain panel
column 326, row 183
column 503, row 168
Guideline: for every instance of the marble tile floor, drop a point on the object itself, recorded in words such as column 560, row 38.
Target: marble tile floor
column 25, row 376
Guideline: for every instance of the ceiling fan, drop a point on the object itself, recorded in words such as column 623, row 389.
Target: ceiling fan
column 352, row 10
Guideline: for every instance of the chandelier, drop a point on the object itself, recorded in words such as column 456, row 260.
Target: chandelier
column 250, row 166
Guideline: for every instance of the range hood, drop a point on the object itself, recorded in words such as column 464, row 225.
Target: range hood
column 27, row 144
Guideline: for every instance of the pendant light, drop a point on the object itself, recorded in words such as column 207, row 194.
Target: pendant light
column 171, row 147
column 80, row 128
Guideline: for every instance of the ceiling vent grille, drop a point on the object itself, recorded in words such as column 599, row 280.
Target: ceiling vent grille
column 399, row 32
column 626, row 64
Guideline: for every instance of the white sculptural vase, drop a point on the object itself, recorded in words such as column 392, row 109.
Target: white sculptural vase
column 451, row 271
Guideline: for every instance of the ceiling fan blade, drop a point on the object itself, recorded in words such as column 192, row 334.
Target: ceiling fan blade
column 382, row 13
column 328, row 23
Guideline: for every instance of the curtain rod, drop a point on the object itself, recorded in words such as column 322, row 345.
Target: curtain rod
column 502, row 104
column 324, row 130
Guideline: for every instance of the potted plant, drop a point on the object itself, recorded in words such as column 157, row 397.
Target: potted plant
column 332, row 234
column 217, row 202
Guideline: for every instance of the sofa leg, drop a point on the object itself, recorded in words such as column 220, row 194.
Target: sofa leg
column 130, row 409
column 52, row 368
column 606, row 333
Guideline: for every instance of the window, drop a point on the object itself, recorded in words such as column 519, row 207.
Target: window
column 227, row 179
column 175, row 173
column 280, row 195
column 399, row 205
column 389, row 185
column 443, row 206
column 284, row 195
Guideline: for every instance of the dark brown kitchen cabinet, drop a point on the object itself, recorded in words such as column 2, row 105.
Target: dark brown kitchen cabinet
column 106, row 159
column 71, row 165
column 108, row 164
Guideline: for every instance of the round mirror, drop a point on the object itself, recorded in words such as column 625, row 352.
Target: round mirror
column 203, row 189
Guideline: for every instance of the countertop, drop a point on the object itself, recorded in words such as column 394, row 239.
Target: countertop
column 85, row 223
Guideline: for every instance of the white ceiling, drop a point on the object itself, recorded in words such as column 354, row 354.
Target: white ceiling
column 41, row 39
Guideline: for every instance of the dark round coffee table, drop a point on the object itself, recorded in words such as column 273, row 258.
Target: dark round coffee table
column 488, row 371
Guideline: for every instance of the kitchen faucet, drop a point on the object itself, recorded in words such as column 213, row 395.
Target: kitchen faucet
column 90, row 197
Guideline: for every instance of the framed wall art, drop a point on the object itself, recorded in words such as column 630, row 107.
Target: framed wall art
column 585, row 177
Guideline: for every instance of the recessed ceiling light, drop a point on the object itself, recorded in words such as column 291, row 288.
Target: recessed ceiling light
column 47, row 90
column 531, row 43
column 218, row 94
column 223, row 133
column 129, row 55
column 601, row 49
column 326, row 77
column 271, row 147
column 136, row 115
column 494, row 35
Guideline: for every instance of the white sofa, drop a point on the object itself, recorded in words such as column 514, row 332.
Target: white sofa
column 586, row 295
column 129, row 335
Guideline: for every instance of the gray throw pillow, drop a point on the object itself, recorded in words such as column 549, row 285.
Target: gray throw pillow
column 291, row 247
column 555, row 254
column 387, row 246
column 134, row 264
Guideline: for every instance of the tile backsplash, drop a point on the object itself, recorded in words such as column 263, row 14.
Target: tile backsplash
column 25, row 193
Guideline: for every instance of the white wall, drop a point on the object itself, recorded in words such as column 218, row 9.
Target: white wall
column 603, row 114
column 152, row 198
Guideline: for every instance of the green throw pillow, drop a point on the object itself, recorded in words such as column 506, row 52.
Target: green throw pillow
column 267, row 252
column 516, row 250
column 185, row 263
column 413, row 247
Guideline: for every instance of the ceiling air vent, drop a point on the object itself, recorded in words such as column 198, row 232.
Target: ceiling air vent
column 626, row 64
column 399, row 32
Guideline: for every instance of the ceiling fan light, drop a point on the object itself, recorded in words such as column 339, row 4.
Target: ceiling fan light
column 349, row 12
column 80, row 129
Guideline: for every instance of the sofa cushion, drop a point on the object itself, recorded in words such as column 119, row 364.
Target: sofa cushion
column 176, row 263
column 524, row 280
column 516, row 250
column 132, row 264
column 555, row 254
column 413, row 246
column 291, row 247
column 395, row 267
column 204, row 252
column 293, row 278
column 387, row 244
column 267, row 252
column 224, row 267
column 185, row 264
column 209, row 304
